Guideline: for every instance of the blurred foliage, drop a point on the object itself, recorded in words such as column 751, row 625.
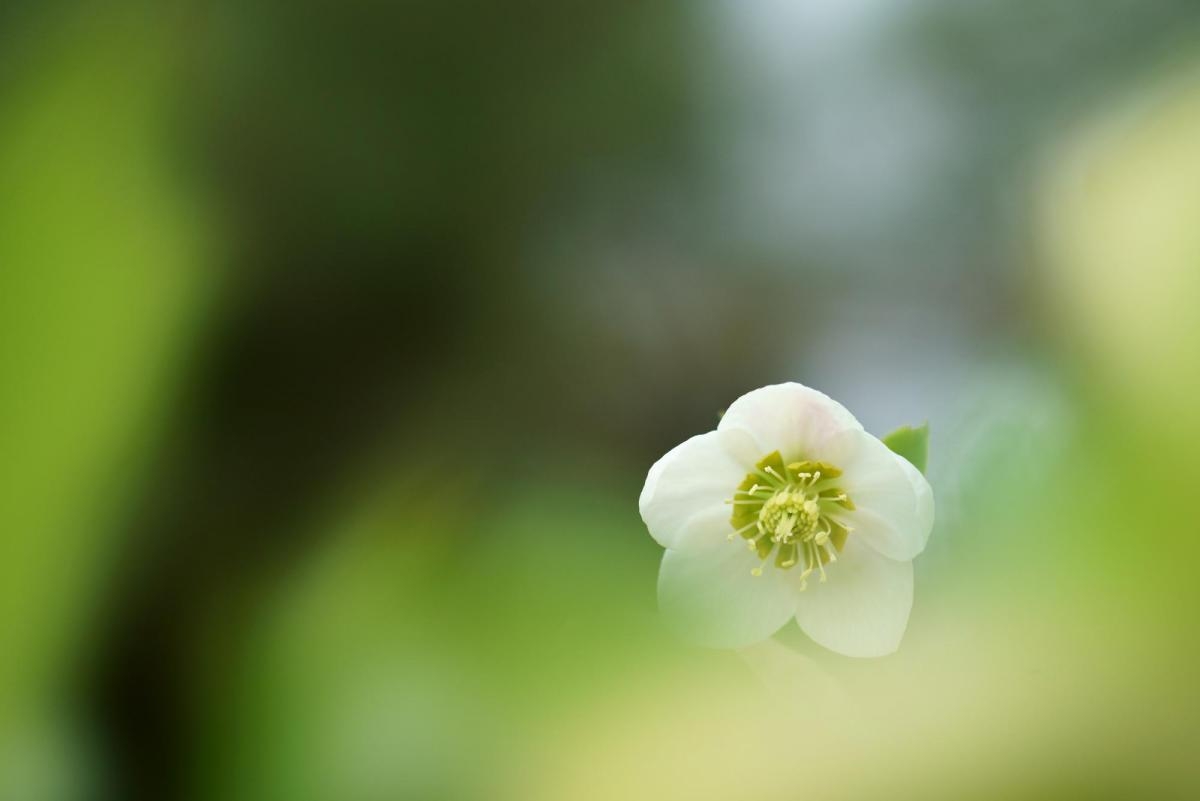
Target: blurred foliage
column 335, row 341
column 460, row 627
column 1118, row 218
column 100, row 286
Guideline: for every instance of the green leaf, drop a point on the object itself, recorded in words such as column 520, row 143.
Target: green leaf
column 911, row 443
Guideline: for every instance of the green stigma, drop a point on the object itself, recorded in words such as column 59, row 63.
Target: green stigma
column 784, row 509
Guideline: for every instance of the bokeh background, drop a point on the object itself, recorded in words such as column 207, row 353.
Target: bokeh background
column 336, row 340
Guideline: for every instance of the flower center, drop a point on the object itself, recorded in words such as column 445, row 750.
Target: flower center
column 785, row 509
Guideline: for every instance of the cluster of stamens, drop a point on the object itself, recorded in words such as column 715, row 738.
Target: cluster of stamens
column 785, row 510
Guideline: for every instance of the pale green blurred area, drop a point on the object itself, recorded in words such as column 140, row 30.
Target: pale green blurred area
column 331, row 365
column 100, row 285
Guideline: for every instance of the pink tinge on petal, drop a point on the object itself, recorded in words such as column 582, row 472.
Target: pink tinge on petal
column 790, row 418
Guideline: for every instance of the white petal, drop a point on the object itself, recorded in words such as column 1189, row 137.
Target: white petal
column 684, row 500
column 893, row 502
column 790, row 418
column 924, row 494
column 862, row 610
column 712, row 599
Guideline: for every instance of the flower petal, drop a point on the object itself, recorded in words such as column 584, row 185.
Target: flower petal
column 789, row 418
column 924, row 494
column 893, row 502
column 684, row 500
column 862, row 610
column 712, row 599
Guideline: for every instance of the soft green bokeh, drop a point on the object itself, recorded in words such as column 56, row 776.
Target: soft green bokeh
column 363, row 524
column 100, row 285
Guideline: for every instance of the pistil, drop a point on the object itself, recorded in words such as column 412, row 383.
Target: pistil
column 785, row 509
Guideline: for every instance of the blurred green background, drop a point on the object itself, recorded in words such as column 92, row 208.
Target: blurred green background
column 336, row 340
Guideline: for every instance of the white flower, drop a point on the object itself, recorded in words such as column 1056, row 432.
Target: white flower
column 788, row 509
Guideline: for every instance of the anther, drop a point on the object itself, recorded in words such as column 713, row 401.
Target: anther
column 790, row 524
